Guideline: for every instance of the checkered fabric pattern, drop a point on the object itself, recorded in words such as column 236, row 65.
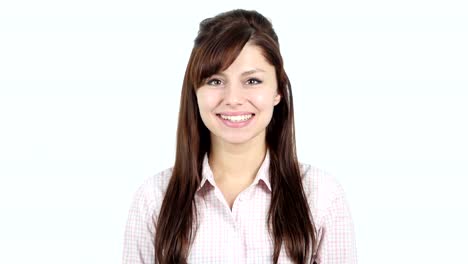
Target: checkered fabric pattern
column 241, row 235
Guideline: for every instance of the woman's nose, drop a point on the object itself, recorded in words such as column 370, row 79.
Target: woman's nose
column 234, row 94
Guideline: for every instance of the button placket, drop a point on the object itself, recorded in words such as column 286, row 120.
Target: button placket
column 235, row 211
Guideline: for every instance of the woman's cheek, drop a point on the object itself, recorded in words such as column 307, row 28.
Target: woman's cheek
column 260, row 101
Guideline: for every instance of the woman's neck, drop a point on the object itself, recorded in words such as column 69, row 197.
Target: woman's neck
column 236, row 165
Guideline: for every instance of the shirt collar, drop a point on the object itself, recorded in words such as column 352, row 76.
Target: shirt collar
column 262, row 174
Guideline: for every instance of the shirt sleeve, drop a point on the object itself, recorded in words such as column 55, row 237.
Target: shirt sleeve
column 140, row 228
column 336, row 238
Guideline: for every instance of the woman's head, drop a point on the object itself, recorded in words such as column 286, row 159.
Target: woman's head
column 237, row 104
column 227, row 46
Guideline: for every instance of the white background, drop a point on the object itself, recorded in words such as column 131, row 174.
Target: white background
column 89, row 97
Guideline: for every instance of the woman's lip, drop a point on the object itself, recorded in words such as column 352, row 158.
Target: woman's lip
column 235, row 124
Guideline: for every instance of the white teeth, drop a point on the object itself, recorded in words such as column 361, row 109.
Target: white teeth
column 238, row 118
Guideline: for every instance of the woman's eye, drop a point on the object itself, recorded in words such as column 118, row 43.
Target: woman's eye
column 254, row 81
column 214, row 82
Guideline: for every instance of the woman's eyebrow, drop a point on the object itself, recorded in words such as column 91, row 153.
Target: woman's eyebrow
column 244, row 73
column 252, row 71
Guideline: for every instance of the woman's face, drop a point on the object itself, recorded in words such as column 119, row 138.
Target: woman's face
column 236, row 105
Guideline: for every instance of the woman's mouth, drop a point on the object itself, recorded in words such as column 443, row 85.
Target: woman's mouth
column 238, row 118
column 236, row 121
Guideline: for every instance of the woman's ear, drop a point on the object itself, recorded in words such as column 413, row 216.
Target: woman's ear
column 277, row 99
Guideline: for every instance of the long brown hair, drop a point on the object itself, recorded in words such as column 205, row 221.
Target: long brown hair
column 220, row 40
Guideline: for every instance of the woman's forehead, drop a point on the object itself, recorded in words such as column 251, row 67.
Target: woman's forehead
column 250, row 60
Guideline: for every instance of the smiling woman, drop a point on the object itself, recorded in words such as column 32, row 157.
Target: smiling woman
column 237, row 193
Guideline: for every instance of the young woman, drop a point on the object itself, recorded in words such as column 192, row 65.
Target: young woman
column 237, row 193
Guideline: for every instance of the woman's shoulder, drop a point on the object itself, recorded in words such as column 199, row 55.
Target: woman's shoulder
column 158, row 181
column 151, row 190
column 321, row 188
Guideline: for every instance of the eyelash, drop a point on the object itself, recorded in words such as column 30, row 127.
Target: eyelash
column 251, row 79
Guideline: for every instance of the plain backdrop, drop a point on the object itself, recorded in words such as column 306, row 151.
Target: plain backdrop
column 89, row 98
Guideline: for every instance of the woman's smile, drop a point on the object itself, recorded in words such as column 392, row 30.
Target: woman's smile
column 236, row 121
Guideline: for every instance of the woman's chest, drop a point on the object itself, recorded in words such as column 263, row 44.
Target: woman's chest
column 239, row 235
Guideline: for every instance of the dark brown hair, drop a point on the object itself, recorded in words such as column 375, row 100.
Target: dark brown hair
column 220, row 40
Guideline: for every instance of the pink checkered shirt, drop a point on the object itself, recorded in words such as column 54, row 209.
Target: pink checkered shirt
column 241, row 235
